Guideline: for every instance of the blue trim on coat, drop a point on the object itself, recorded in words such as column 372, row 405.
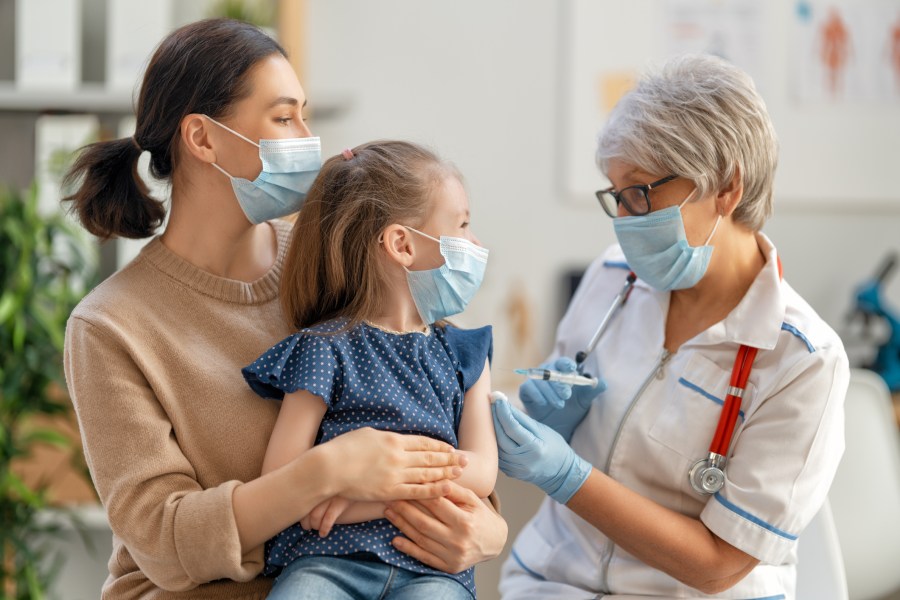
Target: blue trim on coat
column 753, row 519
column 799, row 334
column 616, row 264
column 516, row 557
column 778, row 597
column 705, row 394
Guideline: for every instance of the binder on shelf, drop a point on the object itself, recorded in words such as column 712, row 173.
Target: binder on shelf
column 48, row 44
column 133, row 29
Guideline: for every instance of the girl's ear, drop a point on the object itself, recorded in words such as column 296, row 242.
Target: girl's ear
column 397, row 242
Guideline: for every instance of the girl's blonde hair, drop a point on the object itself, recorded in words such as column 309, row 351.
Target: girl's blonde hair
column 332, row 268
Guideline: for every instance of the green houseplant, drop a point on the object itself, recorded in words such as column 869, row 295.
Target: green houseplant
column 46, row 265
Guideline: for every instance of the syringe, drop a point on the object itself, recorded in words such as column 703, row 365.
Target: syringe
column 558, row 376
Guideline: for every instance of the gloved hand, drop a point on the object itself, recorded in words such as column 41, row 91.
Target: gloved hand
column 533, row 452
column 559, row 405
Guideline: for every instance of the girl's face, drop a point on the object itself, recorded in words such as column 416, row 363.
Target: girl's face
column 274, row 109
column 450, row 217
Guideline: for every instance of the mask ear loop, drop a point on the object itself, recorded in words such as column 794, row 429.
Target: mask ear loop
column 713, row 232
column 227, row 128
column 718, row 217
column 424, row 234
column 223, row 171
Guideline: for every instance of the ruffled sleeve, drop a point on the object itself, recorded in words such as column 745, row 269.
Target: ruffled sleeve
column 302, row 361
column 470, row 348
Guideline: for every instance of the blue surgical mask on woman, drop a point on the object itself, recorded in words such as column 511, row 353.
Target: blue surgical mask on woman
column 289, row 167
column 447, row 290
column 656, row 248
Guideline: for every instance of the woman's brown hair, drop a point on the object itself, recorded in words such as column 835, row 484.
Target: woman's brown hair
column 332, row 269
column 199, row 68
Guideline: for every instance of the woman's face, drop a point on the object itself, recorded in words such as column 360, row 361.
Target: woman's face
column 272, row 110
column 699, row 214
column 450, row 217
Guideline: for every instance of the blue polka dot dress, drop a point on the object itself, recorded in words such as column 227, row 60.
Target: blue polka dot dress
column 407, row 383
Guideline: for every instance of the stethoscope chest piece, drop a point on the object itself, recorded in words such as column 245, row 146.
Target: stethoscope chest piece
column 707, row 475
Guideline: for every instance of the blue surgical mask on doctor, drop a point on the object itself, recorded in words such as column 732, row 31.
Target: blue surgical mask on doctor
column 289, row 166
column 447, row 290
column 656, row 248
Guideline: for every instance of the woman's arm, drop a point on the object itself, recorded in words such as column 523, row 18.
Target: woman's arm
column 476, row 438
column 676, row 544
column 293, row 435
column 364, row 465
column 673, row 543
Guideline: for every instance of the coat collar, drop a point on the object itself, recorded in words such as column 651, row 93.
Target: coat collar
column 756, row 320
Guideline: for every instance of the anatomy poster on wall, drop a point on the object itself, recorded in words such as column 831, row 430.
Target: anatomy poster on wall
column 845, row 51
column 733, row 30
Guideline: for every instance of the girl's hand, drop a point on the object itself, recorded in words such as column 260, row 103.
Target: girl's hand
column 324, row 516
column 366, row 464
column 451, row 533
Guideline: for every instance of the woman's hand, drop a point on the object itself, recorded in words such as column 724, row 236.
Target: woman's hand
column 535, row 453
column 451, row 533
column 559, row 405
column 366, row 464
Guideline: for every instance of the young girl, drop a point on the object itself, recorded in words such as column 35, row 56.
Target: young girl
column 381, row 254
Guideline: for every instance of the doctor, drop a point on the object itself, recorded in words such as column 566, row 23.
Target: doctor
column 691, row 156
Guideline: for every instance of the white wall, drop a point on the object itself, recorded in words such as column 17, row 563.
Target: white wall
column 480, row 82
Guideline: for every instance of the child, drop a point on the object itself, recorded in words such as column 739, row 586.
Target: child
column 381, row 254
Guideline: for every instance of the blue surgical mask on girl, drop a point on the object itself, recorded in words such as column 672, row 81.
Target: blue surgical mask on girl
column 656, row 248
column 447, row 290
column 289, row 167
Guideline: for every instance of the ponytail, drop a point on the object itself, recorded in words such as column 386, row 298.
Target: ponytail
column 111, row 199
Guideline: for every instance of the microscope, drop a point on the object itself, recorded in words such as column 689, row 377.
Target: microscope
column 871, row 304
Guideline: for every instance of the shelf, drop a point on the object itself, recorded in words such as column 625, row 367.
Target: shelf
column 87, row 98
column 95, row 98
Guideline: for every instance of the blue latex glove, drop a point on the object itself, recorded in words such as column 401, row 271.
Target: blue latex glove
column 559, row 405
column 533, row 452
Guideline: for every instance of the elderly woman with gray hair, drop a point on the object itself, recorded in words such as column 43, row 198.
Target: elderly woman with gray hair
column 716, row 427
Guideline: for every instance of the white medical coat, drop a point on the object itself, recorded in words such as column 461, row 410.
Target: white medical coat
column 658, row 417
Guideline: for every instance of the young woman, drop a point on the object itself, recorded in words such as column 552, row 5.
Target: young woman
column 173, row 436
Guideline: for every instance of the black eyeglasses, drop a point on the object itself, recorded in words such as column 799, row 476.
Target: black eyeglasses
column 635, row 198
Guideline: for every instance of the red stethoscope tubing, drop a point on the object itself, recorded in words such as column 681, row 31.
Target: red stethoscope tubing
column 740, row 373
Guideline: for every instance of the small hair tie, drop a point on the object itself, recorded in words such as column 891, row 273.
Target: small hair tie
column 347, row 153
column 136, row 145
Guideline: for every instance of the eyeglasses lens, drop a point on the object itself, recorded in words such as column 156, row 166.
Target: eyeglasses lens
column 608, row 202
column 635, row 200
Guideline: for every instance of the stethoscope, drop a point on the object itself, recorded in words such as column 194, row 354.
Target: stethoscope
column 707, row 475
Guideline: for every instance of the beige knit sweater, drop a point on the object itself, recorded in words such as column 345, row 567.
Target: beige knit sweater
column 153, row 364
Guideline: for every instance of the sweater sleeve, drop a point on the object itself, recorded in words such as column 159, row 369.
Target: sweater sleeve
column 179, row 534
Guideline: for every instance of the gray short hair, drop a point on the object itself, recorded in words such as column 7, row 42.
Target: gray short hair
column 701, row 118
